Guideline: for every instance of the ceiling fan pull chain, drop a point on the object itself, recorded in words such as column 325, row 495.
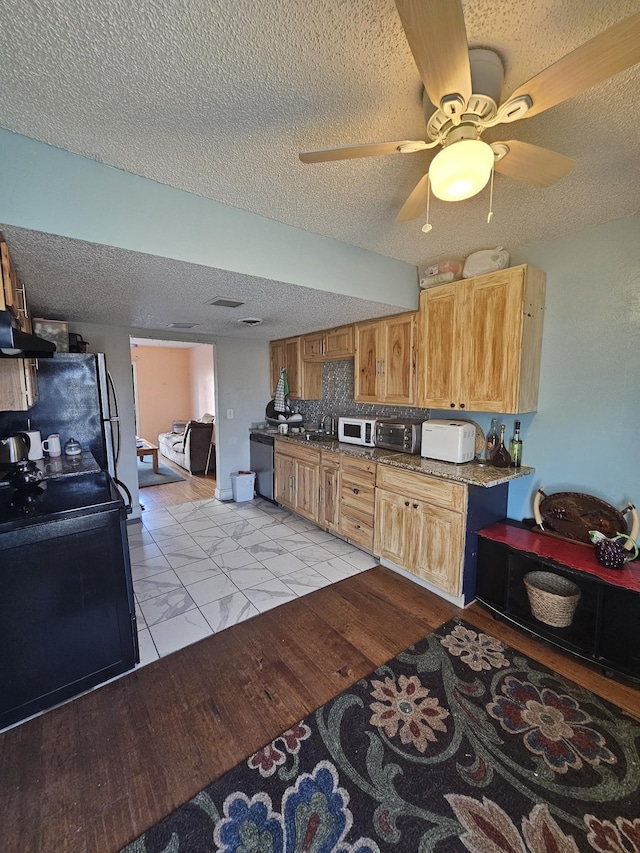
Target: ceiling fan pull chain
column 427, row 226
column 490, row 216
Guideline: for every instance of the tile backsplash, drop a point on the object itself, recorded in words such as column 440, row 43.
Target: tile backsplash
column 337, row 398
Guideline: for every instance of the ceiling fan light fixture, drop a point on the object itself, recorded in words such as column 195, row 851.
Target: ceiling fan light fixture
column 461, row 170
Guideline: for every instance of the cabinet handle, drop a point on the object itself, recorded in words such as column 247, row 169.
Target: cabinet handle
column 453, row 405
column 382, row 367
column 356, row 491
column 320, row 495
column 462, row 405
column 406, row 503
column 357, row 526
column 377, row 366
column 415, row 506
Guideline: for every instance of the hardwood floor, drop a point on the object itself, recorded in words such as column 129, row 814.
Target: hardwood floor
column 93, row 774
column 195, row 487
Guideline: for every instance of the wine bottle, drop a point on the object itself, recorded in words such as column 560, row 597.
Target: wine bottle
column 515, row 448
column 492, row 439
column 500, row 456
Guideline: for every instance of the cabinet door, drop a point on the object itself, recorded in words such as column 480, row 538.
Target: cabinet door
column 293, row 362
column 284, row 474
column 391, row 520
column 313, row 346
column 338, row 343
column 439, row 346
column 367, row 362
column 18, row 384
column 493, row 337
column 435, row 545
column 306, row 484
column 397, row 364
column 305, row 377
column 277, row 362
column 329, row 509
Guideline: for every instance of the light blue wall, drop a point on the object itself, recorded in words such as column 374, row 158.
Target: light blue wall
column 585, row 435
column 47, row 189
column 242, row 384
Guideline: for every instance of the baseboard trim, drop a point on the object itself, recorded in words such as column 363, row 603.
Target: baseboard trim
column 223, row 494
column 457, row 600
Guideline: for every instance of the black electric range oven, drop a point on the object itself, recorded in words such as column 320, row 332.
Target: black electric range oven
column 67, row 615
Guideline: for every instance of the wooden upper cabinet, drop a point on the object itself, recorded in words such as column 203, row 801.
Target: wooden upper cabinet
column 438, row 343
column 12, row 294
column 277, row 362
column 385, row 360
column 293, row 363
column 18, row 384
column 367, row 342
column 397, row 374
column 338, row 343
column 480, row 342
column 328, row 345
column 305, row 379
column 312, row 346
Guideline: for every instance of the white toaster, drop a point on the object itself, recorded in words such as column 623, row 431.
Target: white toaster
column 449, row 441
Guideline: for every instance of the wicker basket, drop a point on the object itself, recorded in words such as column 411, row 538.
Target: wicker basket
column 553, row 599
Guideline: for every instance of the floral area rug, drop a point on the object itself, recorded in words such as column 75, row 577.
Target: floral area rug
column 458, row 743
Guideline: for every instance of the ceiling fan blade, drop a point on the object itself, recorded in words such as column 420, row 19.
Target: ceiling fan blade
column 438, row 40
column 596, row 60
column 350, row 152
column 416, row 203
column 532, row 164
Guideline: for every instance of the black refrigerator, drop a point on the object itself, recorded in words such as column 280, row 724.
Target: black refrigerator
column 77, row 399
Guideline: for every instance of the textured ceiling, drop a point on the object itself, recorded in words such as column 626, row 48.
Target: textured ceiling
column 147, row 292
column 218, row 98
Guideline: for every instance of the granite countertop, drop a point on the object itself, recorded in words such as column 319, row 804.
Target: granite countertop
column 470, row 473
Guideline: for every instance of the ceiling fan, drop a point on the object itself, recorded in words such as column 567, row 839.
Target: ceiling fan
column 462, row 91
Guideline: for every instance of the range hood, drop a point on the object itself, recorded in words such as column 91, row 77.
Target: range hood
column 17, row 344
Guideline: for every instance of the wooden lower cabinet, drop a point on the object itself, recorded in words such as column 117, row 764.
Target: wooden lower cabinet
column 357, row 500
column 283, row 474
column 416, row 533
column 329, row 499
column 297, row 474
column 425, row 525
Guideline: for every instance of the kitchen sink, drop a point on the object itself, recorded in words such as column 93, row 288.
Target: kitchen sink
column 313, row 436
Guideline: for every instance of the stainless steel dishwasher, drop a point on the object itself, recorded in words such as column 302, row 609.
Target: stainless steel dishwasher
column 261, row 456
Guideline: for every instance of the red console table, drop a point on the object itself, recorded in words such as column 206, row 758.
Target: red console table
column 606, row 625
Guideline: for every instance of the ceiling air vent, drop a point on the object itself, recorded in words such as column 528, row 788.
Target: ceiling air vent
column 222, row 302
column 182, row 325
column 251, row 321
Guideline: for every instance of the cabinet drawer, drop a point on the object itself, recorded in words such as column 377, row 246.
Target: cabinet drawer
column 365, row 469
column 298, row 451
column 363, row 512
column 356, row 531
column 440, row 492
column 330, row 458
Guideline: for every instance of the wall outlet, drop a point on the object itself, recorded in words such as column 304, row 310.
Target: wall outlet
column 229, row 414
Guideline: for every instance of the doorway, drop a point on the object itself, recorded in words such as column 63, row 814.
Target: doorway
column 173, row 386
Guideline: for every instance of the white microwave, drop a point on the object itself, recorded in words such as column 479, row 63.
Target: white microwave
column 357, row 431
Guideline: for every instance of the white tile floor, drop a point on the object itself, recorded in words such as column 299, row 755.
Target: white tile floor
column 203, row 566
